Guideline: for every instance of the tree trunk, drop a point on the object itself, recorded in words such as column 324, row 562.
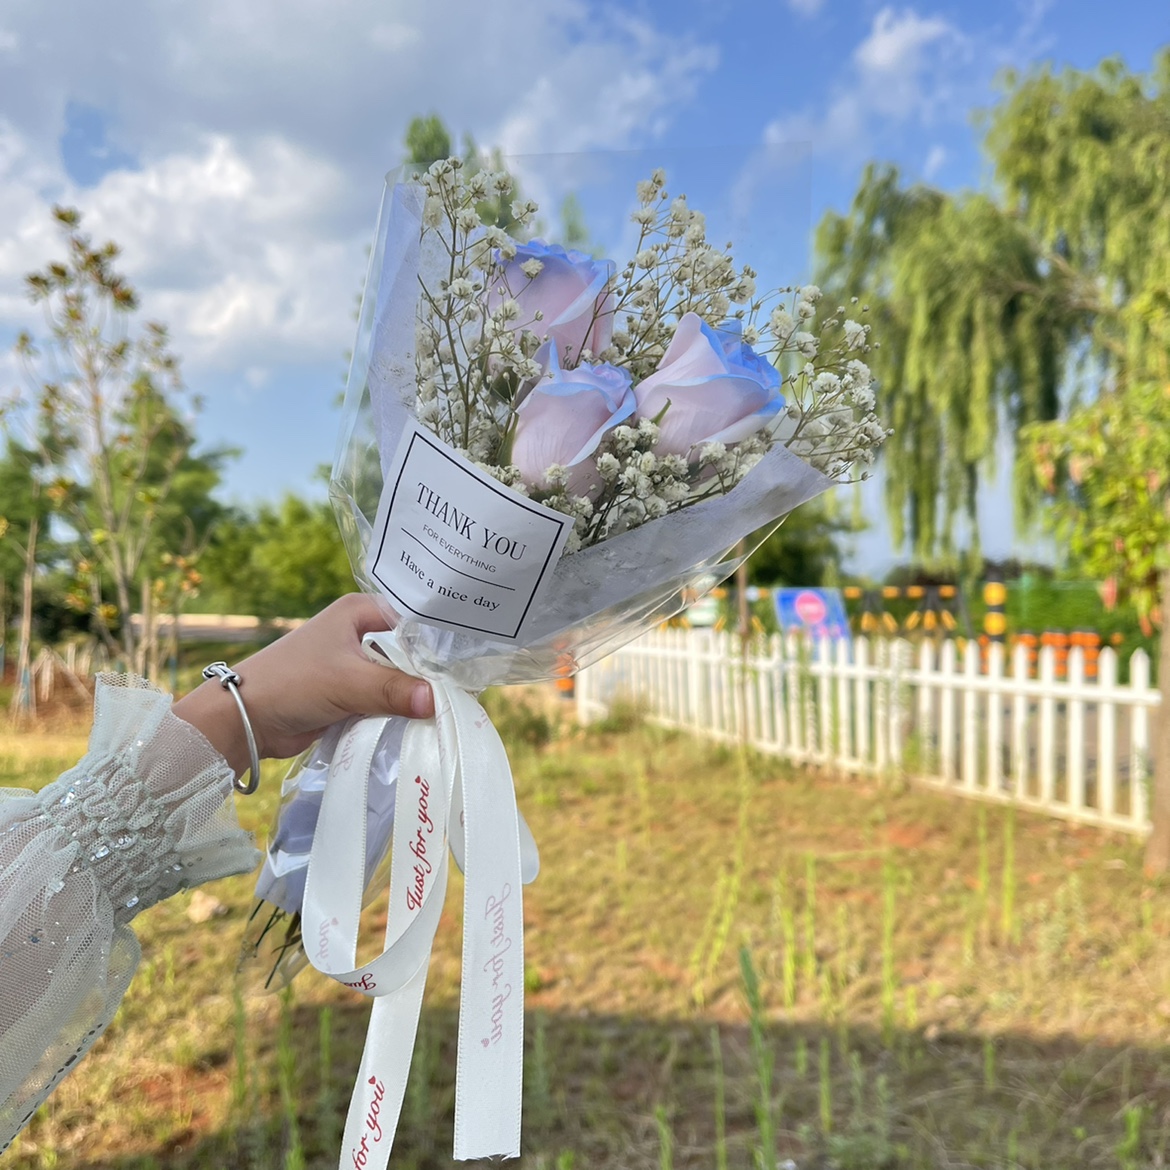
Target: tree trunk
column 142, row 651
column 1158, row 845
column 23, row 699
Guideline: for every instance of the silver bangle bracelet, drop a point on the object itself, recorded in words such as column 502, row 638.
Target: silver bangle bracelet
column 231, row 682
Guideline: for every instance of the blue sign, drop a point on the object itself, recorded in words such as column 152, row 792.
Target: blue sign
column 819, row 612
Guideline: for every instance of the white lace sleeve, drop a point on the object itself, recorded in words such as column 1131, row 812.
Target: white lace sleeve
column 146, row 813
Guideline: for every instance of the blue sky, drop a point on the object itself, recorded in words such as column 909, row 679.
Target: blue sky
column 236, row 150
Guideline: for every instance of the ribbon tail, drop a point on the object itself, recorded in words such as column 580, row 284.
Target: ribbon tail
column 490, row 1071
column 376, row 1104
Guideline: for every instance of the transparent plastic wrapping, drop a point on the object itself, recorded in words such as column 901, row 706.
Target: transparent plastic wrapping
column 604, row 594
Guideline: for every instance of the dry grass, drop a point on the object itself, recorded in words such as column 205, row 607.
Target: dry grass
column 937, row 984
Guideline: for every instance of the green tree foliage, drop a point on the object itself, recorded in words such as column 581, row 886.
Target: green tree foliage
column 284, row 560
column 1107, row 471
column 109, row 400
column 993, row 310
column 427, row 141
column 803, row 550
column 973, row 330
column 24, row 550
column 1085, row 162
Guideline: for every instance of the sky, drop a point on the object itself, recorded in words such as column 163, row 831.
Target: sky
column 236, row 151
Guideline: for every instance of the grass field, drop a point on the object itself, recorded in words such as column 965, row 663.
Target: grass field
column 730, row 964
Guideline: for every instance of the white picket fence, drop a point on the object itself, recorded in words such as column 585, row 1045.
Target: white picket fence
column 1074, row 747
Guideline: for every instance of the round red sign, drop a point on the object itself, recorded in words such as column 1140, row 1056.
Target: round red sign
column 810, row 608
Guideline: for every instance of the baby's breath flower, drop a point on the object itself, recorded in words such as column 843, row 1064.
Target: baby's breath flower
column 532, row 268
column 624, row 439
column 854, row 334
column 523, row 210
column 782, row 325
column 644, row 216
column 608, row 467
column 648, row 431
column 859, row 372
column 806, row 343
column 744, row 290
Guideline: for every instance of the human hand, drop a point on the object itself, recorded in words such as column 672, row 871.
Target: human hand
column 303, row 682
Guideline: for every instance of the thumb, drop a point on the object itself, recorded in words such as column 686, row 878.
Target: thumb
column 371, row 689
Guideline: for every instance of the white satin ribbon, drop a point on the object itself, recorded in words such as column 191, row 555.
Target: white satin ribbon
column 454, row 790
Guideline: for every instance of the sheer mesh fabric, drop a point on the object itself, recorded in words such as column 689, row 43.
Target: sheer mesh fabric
column 146, row 812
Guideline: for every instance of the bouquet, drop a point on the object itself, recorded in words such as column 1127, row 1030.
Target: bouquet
column 543, row 454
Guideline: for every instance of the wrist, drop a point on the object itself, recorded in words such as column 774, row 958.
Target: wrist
column 213, row 712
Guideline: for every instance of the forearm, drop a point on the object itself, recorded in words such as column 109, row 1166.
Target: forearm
column 145, row 813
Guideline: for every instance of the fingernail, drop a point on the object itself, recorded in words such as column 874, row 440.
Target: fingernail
column 421, row 704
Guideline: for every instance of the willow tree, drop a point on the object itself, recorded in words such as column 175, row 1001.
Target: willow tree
column 973, row 327
column 1042, row 308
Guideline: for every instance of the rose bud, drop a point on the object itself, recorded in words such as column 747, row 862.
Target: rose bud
column 563, row 418
column 570, row 290
column 709, row 388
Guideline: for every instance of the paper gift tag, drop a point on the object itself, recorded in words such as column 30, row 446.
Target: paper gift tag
column 455, row 547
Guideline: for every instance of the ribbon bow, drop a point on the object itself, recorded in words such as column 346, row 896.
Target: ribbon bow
column 454, row 789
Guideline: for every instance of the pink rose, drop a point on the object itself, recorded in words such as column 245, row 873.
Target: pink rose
column 563, row 418
column 571, row 291
column 709, row 387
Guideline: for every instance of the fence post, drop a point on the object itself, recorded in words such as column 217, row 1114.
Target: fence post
column 925, row 728
column 861, row 693
column 1107, row 733
column 946, row 714
column 899, row 654
column 1047, row 723
column 1075, row 750
column 881, row 706
column 776, row 687
column 995, row 718
column 841, row 665
column 969, row 733
column 827, row 749
column 1139, row 740
column 1020, row 752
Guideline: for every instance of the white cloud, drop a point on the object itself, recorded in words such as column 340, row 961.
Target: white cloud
column 263, row 131
column 902, row 71
column 935, row 161
column 896, row 41
column 563, row 109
